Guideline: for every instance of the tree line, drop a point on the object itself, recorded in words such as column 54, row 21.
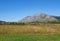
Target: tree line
column 21, row 23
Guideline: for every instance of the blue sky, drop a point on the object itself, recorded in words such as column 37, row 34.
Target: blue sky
column 14, row 10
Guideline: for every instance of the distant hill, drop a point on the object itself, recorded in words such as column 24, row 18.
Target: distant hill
column 2, row 21
column 40, row 18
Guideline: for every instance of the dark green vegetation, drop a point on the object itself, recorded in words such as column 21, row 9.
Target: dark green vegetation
column 29, row 37
column 10, row 23
column 36, row 22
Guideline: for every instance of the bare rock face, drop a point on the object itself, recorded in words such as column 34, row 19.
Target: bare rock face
column 38, row 17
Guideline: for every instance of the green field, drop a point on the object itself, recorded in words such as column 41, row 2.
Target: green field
column 29, row 37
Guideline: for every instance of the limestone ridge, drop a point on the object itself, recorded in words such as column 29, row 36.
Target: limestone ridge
column 39, row 17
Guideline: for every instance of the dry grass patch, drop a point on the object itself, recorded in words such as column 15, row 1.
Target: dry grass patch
column 43, row 28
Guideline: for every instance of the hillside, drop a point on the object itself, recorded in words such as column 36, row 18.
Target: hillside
column 39, row 18
column 57, row 17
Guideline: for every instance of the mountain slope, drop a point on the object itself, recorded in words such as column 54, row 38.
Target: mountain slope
column 57, row 17
column 39, row 18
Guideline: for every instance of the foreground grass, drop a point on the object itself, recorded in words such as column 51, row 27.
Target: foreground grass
column 29, row 37
column 46, row 32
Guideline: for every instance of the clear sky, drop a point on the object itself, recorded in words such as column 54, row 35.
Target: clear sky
column 14, row 10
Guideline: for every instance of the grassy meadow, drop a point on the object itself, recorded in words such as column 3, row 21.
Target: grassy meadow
column 29, row 37
column 42, row 32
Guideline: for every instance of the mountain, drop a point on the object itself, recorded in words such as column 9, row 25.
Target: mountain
column 2, row 21
column 57, row 17
column 39, row 18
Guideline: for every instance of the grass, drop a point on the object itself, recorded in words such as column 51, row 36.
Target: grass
column 46, row 28
column 43, row 32
column 29, row 37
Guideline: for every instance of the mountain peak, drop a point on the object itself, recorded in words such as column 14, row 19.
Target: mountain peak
column 39, row 14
